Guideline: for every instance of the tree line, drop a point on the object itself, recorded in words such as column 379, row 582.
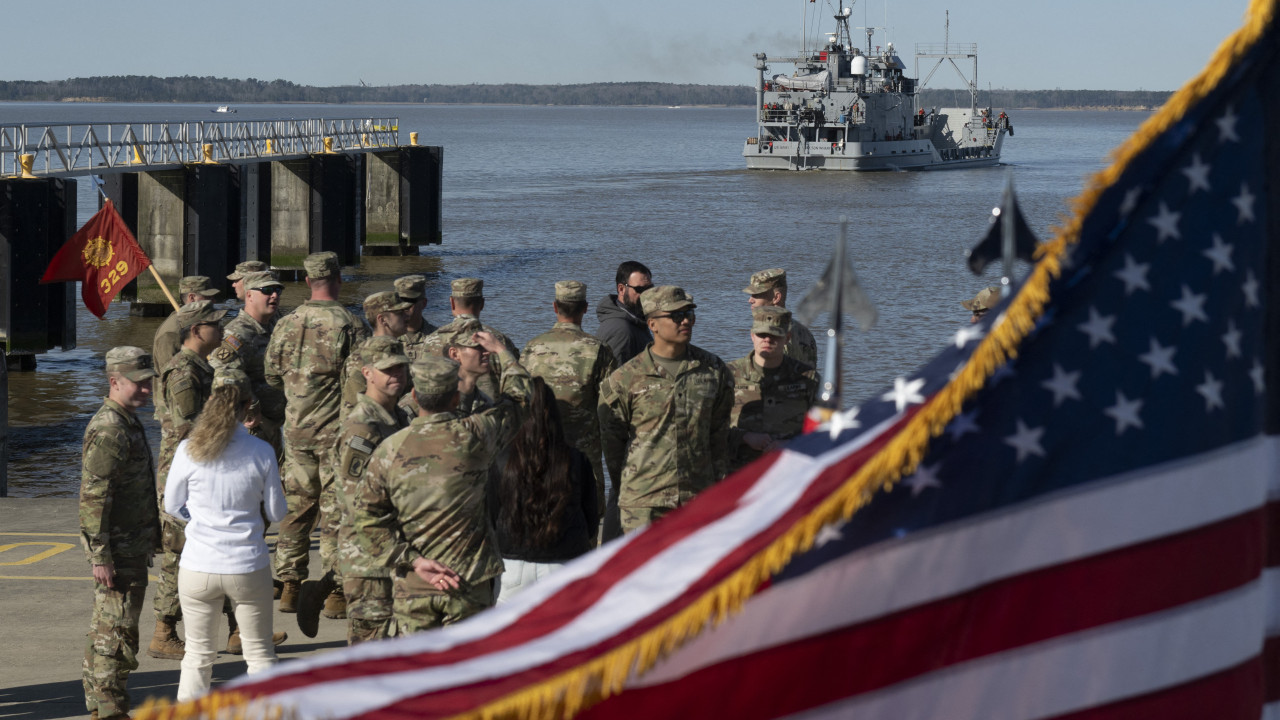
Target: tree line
column 191, row 89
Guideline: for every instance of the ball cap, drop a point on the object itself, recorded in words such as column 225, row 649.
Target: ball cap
column 199, row 312
column 411, row 287
column 460, row 332
column 246, row 267
column 132, row 362
column 322, row 265
column 665, row 298
column 571, row 291
column 381, row 302
column 771, row 320
column 383, row 352
column 467, row 288
column 228, row 377
column 766, row 280
column 197, row 284
column 264, row 280
column 987, row 298
column 434, row 375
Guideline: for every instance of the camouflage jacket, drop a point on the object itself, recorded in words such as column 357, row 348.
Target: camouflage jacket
column 304, row 359
column 166, row 344
column 574, row 365
column 188, row 381
column 434, row 344
column 423, row 493
column 363, row 430
column 802, row 346
column 666, row 437
column 119, row 517
column 772, row 401
column 415, row 341
column 244, row 346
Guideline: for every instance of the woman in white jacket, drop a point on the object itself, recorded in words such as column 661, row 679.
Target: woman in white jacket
column 224, row 481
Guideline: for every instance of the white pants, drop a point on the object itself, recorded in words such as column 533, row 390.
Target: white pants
column 201, row 596
column 520, row 574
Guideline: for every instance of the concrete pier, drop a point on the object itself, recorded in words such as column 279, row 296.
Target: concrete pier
column 46, row 599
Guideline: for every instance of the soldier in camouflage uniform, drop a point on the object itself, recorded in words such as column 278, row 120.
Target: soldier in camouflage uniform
column 375, row 417
column 768, row 288
column 422, row 496
column 466, row 301
column 187, row 381
column 772, row 391
column 574, row 365
column 388, row 315
column 120, row 529
column 664, row 416
column 168, row 341
column 244, row 348
column 413, row 289
column 304, row 360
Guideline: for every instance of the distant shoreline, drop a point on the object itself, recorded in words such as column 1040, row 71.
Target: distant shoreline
column 224, row 91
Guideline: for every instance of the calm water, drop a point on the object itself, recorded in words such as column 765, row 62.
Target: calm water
column 533, row 195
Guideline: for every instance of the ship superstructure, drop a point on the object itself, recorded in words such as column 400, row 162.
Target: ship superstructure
column 846, row 108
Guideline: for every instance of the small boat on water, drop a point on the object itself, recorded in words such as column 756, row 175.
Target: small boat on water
column 845, row 108
column 223, row 109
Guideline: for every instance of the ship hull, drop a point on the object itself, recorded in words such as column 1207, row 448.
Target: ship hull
column 861, row 157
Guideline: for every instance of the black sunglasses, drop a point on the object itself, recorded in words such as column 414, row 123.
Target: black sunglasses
column 641, row 288
column 680, row 316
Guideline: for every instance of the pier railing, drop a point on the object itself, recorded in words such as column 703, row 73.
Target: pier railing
column 83, row 148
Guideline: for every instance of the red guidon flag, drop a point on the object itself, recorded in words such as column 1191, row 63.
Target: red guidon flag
column 103, row 255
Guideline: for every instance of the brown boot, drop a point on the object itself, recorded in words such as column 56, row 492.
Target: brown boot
column 235, row 647
column 165, row 643
column 335, row 605
column 276, row 587
column 289, row 596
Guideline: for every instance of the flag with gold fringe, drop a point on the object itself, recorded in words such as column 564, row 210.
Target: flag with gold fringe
column 1073, row 511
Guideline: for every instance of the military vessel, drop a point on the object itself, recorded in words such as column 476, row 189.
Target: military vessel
column 845, row 108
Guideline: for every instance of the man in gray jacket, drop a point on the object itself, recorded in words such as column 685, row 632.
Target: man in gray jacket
column 622, row 325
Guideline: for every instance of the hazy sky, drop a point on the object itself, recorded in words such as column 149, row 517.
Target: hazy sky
column 1023, row 44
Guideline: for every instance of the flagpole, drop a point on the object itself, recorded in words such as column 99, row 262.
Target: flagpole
column 97, row 183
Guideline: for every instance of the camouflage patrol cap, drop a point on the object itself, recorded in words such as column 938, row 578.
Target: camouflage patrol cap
column 411, row 287
column 383, row 352
column 434, row 375
column 571, row 291
column 772, row 320
column 197, row 284
column 232, row 377
column 767, row 280
column 132, row 362
column 382, row 302
column 322, row 265
column 987, row 298
column 198, row 313
column 264, row 281
column 246, row 267
column 467, row 288
column 665, row 298
column 459, row 332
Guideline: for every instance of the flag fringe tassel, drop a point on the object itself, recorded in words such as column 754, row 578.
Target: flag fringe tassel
column 574, row 690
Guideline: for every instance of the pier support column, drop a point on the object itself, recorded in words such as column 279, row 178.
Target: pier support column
column 337, row 210
column 255, row 200
column 421, row 191
column 290, row 183
column 36, row 218
column 4, row 424
column 161, row 232
column 212, row 245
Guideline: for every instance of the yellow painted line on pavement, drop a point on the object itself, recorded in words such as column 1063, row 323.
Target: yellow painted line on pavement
column 22, row 534
column 53, row 549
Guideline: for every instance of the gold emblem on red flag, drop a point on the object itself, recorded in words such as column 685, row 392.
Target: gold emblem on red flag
column 98, row 252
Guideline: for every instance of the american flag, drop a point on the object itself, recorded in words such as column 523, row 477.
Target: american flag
column 1073, row 511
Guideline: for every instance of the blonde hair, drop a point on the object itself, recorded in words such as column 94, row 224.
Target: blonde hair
column 216, row 424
